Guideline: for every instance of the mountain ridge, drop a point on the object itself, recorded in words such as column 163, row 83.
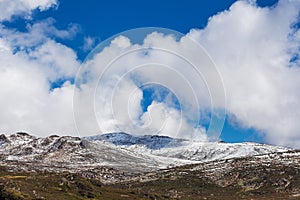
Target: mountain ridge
column 122, row 151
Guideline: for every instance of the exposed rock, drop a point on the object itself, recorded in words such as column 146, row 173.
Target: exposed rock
column 3, row 139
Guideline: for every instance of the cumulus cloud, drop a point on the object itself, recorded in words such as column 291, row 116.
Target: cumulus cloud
column 253, row 48
column 111, row 91
column 30, row 62
column 26, row 102
column 10, row 8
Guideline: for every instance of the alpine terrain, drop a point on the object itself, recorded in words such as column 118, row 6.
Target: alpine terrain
column 123, row 166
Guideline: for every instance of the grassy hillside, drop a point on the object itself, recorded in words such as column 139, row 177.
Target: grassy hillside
column 187, row 182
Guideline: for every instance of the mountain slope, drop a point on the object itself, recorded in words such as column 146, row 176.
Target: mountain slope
column 119, row 152
column 144, row 167
column 121, row 149
column 276, row 176
column 166, row 147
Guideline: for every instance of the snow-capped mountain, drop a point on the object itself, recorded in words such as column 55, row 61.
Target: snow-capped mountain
column 149, row 141
column 120, row 151
column 182, row 149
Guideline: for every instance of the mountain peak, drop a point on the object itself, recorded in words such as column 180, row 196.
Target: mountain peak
column 3, row 139
column 21, row 135
column 149, row 141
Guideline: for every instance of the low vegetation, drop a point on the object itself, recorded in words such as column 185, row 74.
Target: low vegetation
column 244, row 181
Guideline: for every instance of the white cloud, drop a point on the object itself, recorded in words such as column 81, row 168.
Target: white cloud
column 29, row 62
column 10, row 8
column 36, row 34
column 58, row 60
column 88, row 43
column 47, row 28
column 252, row 48
column 26, row 102
column 160, row 118
column 118, row 94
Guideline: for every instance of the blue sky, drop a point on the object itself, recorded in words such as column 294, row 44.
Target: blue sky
column 72, row 23
column 105, row 19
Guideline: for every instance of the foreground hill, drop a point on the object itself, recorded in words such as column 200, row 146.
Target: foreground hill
column 238, row 178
